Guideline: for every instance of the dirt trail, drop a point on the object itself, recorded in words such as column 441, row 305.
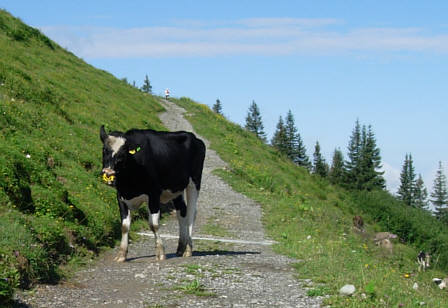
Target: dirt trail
column 243, row 271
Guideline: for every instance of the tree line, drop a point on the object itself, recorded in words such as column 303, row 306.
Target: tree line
column 361, row 170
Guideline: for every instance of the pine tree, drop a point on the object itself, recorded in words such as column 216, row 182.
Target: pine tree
column 279, row 140
column 439, row 195
column 291, row 137
column 147, row 88
column 364, row 160
column 217, row 107
column 370, row 177
column 352, row 165
column 406, row 191
column 420, row 194
column 296, row 149
column 302, row 158
column 254, row 123
column 320, row 167
column 336, row 173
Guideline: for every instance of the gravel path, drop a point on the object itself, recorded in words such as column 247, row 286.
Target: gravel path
column 220, row 274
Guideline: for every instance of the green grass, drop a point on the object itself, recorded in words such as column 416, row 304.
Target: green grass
column 195, row 287
column 54, row 209
column 312, row 221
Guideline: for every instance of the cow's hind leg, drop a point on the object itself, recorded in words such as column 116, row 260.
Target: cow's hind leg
column 181, row 211
column 154, row 226
column 125, row 226
column 192, row 199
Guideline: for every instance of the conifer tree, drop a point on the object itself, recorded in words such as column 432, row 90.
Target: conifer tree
column 217, row 107
column 439, row 195
column 254, row 123
column 320, row 167
column 279, row 139
column 420, row 194
column 364, row 160
column 302, row 158
column 352, row 165
column 296, row 149
column 370, row 162
column 406, row 191
column 336, row 173
column 291, row 137
column 147, row 88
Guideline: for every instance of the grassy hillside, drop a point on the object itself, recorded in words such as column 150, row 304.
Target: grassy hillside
column 53, row 206
column 312, row 221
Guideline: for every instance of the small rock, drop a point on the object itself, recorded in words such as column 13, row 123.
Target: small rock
column 140, row 276
column 347, row 290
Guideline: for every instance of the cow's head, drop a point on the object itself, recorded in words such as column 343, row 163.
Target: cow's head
column 115, row 153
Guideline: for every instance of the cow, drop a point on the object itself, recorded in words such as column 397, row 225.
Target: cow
column 154, row 167
column 423, row 260
column 442, row 283
column 358, row 223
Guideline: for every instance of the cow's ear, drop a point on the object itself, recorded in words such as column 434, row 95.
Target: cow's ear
column 103, row 134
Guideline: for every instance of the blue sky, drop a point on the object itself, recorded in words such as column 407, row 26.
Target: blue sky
column 330, row 62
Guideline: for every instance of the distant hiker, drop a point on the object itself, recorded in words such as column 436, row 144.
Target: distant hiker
column 167, row 93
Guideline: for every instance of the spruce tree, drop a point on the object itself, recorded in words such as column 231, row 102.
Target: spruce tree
column 147, row 88
column 217, row 107
column 406, row 191
column 254, row 123
column 320, row 167
column 364, row 160
column 420, row 194
column 291, row 137
column 336, row 173
column 352, row 165
column 370, row 177
column 296, row 149
column 302, row 158
column 279, row 139
column 439, row 195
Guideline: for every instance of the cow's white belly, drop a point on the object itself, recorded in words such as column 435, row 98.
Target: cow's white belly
column 135, row 202
column 168, row 195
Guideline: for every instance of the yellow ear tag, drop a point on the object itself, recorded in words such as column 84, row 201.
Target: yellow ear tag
column 132, row 152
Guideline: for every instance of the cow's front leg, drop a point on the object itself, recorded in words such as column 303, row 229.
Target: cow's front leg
column 154, row 216
column 125, row 226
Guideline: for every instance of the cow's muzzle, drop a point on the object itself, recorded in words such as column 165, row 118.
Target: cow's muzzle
column 108, row 176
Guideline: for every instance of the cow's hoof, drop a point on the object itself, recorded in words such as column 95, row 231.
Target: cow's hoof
column 188, row 252
column 160, row 253
column 119, row 259
column 180, row 250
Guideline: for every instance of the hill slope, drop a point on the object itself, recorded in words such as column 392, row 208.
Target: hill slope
column 312, row 221
column 53, row 207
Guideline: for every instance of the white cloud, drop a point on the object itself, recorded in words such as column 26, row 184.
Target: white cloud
column 256, row 36
column 392, row 177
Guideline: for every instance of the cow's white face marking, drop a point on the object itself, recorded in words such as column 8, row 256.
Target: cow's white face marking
column 115, row 143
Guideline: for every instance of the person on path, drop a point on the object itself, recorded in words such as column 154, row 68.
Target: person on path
column 167, row 93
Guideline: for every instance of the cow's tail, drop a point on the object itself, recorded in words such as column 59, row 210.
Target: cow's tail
column 198, row 162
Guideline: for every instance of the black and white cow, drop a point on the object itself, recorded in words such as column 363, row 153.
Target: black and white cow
column 154, row 167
